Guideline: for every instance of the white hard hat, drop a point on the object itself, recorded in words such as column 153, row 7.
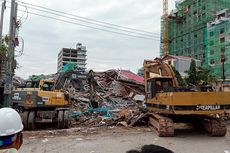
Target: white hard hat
column 10, row 122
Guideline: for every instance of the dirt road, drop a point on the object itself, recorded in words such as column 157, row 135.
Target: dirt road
column 119, row 140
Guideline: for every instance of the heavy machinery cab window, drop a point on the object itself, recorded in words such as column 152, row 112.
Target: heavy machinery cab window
column 167, row 85
column 158, row 85
column 48, row 86
column 151, row 89
column 31, row 84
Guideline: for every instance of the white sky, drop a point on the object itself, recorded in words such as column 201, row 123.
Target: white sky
column 44, row 38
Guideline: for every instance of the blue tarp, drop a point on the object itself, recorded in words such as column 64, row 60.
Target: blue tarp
column 103, row 110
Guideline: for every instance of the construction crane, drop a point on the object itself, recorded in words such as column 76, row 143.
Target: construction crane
column 165, row 28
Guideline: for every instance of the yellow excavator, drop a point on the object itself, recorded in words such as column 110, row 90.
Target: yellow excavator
column 170, row 104
column 42, row 101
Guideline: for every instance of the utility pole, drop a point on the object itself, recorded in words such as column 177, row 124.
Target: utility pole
column 10, row 57
column 223, row 59
column 1, row 21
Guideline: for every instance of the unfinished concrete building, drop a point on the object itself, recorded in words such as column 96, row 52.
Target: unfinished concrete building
column 67, row 55
column 187, row 27
column 218, row 44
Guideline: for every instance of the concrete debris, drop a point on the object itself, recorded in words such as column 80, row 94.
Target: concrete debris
column 139, row 98
column 18, row 81
column 110, row 98
column 45, row 140
column 79, row 139
column 123, row 123
column 226, row 118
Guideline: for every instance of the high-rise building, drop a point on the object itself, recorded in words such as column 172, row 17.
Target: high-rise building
column 218, row 44
column 69, row 55
column 187, row 26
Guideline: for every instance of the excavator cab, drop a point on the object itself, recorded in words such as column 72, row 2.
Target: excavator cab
column 159, row 85
column 31, row 84
column 47, row 85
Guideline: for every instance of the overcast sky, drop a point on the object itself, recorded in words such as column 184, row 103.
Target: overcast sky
column 44, row 37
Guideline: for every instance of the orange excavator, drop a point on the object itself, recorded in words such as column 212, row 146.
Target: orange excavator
column 169, row 104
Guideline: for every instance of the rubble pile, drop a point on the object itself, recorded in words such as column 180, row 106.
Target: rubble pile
column 18, row 81
column 226, row 117
column 113, row 97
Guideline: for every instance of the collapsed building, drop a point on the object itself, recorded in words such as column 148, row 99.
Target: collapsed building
column 106, row 98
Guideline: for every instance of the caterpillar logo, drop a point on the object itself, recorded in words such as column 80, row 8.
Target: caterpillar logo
column 208, row 107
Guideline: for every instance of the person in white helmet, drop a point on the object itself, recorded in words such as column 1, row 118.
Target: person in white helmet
column 11, row 127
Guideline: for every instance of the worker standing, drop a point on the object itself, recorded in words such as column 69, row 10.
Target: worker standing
column 11, row 127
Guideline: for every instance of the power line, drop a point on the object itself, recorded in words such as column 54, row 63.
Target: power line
column 21, row 19
column 89, row 19
column 79, row 24
column 148, row 35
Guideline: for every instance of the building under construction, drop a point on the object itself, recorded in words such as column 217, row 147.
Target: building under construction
column 188, row 31
column 217, row 51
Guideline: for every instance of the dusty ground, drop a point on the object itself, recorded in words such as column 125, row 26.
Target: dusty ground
column 119, row 140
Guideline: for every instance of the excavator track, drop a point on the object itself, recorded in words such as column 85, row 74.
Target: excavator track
column 163, row 126
column 215, row 127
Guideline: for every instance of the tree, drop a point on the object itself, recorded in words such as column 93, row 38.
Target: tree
column 192, row 78
column 199, row 75
column 3, row 50
column 179, row 78
column 205, row 75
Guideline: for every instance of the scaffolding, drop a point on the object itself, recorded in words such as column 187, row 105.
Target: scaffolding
column 188, row 26
column 218, row 44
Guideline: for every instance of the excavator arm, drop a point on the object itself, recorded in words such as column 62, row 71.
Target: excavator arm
column 61, row 80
